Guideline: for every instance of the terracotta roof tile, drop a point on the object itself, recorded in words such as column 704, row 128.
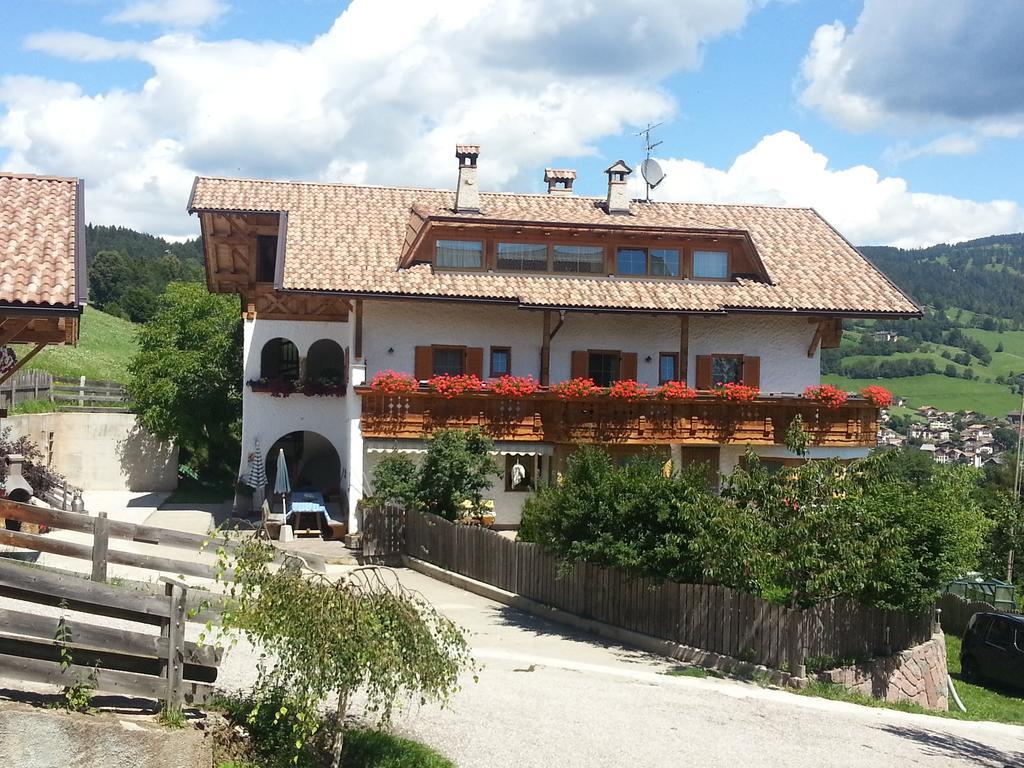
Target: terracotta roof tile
column 350, row 239
column 39, row 232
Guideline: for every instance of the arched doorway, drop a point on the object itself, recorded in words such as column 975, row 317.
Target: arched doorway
column 313, row 464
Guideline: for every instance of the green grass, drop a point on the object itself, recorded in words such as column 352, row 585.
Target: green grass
column 105, row 345
column 378, row 749
column 982, row 703
column 942, row 392
column 32, row 406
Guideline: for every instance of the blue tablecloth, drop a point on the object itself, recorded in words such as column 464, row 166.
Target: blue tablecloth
column 309, row 501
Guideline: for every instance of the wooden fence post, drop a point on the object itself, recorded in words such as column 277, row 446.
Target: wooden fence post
column 81, row 392
column 795, row 651
column 100, row 545
column 174, row 631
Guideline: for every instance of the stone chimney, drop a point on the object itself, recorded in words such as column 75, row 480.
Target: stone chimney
column 559, row 181
column 467, row 194
column 618, row 199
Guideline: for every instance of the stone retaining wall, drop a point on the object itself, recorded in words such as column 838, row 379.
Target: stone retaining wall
column 918, row 674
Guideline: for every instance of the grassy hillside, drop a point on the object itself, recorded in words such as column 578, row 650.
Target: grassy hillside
column 105, row 346
column 943, row 392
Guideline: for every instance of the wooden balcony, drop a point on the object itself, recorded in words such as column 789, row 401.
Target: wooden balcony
column 544, row 417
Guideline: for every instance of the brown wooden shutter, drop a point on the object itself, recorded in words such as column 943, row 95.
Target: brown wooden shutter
column 424, row 365
column 752, row 371
column 475, row 361
column 580, row 364
column 703, row 380
column 627, row 365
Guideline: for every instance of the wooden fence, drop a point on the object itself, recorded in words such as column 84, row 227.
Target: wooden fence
column 53, row 649
column 956, row 612
column 383, row 531
column 713, row 618
column 61, row 494
column 79, row 394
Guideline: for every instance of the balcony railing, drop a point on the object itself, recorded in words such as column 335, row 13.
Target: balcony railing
column 544, row 417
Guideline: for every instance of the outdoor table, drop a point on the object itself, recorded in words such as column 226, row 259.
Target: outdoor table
column 308, row 512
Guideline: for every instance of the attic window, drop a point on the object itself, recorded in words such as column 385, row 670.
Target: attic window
column 711, row 265
column 586, row 259
column 459, row 254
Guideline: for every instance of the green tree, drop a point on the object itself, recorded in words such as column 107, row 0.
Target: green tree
column 363, row 633
column 139, row 303
column 185, row 379
column 457, row 467
column 396, row 477
column 108, row 278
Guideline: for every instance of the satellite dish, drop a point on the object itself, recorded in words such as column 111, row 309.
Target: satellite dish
column 652, row 172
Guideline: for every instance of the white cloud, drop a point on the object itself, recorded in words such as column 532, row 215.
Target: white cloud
column 782, row 169
column 951, row 144
column 78, row 46
column 381, row 97
column 186, row 14
column 918, row 65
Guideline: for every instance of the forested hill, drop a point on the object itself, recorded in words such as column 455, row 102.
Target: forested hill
column 984, row 275
column 128, row 270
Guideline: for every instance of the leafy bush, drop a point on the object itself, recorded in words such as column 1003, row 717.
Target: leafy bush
column 458, row 466
column 396, row 477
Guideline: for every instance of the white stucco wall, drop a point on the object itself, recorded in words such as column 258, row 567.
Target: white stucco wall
column 266, row 418
column 781, row 343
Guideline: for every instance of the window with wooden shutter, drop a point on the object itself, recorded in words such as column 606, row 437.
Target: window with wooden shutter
column 580, row 359
column 424, row 363
column 627, row 366
column 752, row 371
column 475, row 361
column 703, row 380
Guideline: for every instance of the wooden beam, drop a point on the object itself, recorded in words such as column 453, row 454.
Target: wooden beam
column 17, row 366
column 684, row 346
column 359, row 329
column 545, row 350
column 816, row 341
column 9, row 329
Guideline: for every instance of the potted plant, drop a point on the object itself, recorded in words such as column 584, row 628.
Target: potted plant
column 450, row 386
column 393, row 383
column 627, row 389
column 736, row 393
column 514, row 386
column 675, row 390
column 575, row 389
column 880, row 397
column 829, row 395
column 276, row 387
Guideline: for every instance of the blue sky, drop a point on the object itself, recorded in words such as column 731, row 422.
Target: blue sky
column 902, row 123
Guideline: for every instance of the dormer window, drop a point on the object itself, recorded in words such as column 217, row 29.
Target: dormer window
column 523, row 257
column 584, row 259
column 459, row 254
column 711, row 265
column 655, row 262
column 266, row 258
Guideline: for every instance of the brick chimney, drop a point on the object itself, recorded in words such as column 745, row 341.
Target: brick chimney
column 618, row 199
column 467, row 194
column 559, row 181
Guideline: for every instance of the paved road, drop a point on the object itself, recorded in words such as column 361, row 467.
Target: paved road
column 549, row 697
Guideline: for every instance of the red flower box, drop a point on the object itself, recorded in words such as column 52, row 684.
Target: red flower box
column 575, row 388
column 452, row 386
column 393, row 383
column 676, row 390
column 830, row 396
column 514, row 386
column 880, row 397
column 627, row 389
column 737, row 393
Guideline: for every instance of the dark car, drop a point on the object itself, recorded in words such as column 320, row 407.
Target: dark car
column 993, row 649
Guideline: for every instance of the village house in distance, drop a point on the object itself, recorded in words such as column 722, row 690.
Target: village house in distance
column 340, row 284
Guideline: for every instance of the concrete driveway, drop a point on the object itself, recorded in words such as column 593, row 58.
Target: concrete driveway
column 550, row 697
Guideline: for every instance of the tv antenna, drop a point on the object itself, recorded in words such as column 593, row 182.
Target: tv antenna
column 650, row 169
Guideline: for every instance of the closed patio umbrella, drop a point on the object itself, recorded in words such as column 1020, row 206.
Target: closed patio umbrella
column 282, row 485
column 257, row 477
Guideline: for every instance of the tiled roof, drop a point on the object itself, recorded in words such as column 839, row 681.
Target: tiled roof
column 40, row 231
column 350, row 239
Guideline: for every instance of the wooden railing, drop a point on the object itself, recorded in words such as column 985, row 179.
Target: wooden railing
column 713, row 618
column 544, row 417
column 79, row 394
